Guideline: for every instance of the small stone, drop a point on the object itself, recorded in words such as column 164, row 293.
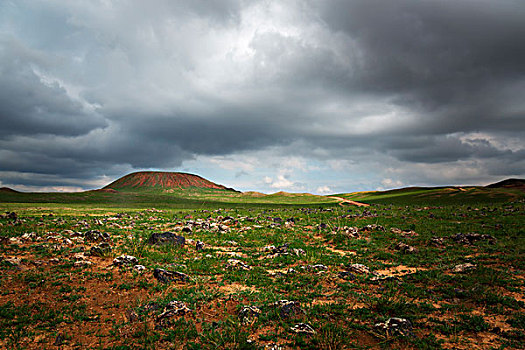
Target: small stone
column 96, row 236
column 470, row 238
column 165, row 276
column 303, row 328
column 139, row 268
column 248, row 314
column 237, row 264
column 132, row 316
column 125, row 260
column 405, row 248
column 347, row 275
column 166, row 238
column 318, row 268
column 83, row 263
column 358, row 268
column 396, row 326
column 462, row 268
column 13, row 261
column 288, row 309
column 173, row 309
column 372, row 227
column 102, row 249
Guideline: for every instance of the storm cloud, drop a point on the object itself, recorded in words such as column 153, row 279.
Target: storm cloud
column 262, row 95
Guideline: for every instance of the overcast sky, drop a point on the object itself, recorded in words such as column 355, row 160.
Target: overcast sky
column 303, row 96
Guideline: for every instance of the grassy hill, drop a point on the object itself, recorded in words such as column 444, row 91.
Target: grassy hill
column 438, row 195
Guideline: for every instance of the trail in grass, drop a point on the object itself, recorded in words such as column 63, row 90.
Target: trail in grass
column 343, row 200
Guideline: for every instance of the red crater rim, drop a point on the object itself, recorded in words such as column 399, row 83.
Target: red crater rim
column 165, row 180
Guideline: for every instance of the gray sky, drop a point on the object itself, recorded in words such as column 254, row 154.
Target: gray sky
column 318, row 96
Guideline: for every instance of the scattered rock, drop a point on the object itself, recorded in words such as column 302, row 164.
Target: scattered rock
column 165, row 276
column 173, row 309
column 248, row 314
column 317, row 268
column 403, row 233
column 372, row 227
column 396, row 326
column 102, row 249
column 288, row 309
column 199, row 245
column 14, row 261
column 237, row 264
column 347, row 275
column 125, row 260
column 283, row 250
column 470, row 238
column 132, row 316
column 462, row 268
column 83, row 263
column 166, row 238
column 358, row 268
column 96, row 236
column 139, row 268
column 303, row 328
column 405, row 248
column 437, row 241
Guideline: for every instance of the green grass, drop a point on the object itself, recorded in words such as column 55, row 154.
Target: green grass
column 446, row 309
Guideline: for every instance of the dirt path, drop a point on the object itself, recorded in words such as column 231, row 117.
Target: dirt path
column 343, row 200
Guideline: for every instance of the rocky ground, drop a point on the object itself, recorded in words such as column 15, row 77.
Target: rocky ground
column 286, row 278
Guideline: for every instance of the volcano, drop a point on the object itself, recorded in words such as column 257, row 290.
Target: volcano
column 162, row 180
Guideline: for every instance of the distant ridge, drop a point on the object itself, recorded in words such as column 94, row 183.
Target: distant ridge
column 163, row 180
column 509, row 183
column 9, row 190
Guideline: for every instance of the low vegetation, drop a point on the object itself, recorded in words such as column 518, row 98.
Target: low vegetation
column 252, row 272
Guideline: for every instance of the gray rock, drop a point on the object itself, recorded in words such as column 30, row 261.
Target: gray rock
column 12, row 261
column 173, row 309
column 102, row 249
column 395, row 326
column 166, row 238
column 248, row 314
column 470, row 238
column 372, row 227
column 96, row 236
column 358, row 268
column 199, row 245
column 139, row 268
column 303, row 328
column 237, row 264
column 165, row 276
column 405, row 248
column 83, row 263
column 462, row 268
column 288, row 309
column 125, row 260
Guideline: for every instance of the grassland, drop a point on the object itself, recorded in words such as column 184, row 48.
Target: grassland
column 300, row 248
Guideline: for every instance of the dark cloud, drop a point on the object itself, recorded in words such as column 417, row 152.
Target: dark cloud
column 91, row 89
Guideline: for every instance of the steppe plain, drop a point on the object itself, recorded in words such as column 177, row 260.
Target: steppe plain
column 207, row 268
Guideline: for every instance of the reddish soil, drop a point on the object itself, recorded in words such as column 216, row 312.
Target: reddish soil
column 146, row 179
